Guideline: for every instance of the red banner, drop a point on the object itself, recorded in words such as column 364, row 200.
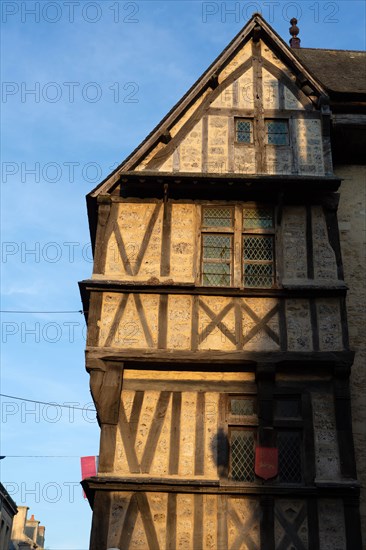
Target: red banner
column 88, row 467
column 266, row 462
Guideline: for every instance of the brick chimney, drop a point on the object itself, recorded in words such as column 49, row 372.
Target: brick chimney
column 294, row 31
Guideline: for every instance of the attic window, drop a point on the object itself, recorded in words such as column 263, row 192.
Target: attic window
column 277, row 132
column 244, row 130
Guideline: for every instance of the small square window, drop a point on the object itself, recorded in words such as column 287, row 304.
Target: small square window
column 244, row 130
column 277, row 132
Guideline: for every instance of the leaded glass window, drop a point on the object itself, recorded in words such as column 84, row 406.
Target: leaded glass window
column 289, row 455
column 258, row 261
column 244, row 130
column 254, row 254
column 277, row 132
column 242, row 454
column 217, row 217
column 242, row 434
column 258, row 218
column 217, row 255
column 242, row 406
column 217, row 245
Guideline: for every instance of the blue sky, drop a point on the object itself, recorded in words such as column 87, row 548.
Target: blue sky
column 103, row 74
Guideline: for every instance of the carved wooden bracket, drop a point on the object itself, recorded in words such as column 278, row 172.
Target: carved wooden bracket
column 106, row 387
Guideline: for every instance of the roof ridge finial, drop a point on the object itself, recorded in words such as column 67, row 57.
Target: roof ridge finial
column 294, row 31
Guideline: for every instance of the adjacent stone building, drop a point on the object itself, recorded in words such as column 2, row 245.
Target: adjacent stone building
column 222, row 338
column 27, row 533
column 8, row 509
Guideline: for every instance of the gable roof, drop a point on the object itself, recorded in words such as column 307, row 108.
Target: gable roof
column 324, row 73
column 255, row 26
column 341, row 71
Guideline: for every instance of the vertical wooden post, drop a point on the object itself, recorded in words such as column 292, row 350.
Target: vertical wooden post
column 344, row 421
column 100, row 524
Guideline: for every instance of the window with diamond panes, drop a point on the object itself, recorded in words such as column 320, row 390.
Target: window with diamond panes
column 258, row 249
column 217, row 217
column 258, row 261
column 277, row 132
column 244, row 130
column 289, row 456
column 217, row 254
column 289, row 425
column 242, row 454
column 242, row 429
column 217, row 246
column 258, row 218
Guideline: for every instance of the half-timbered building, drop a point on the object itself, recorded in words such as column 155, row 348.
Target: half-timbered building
column 218, row 342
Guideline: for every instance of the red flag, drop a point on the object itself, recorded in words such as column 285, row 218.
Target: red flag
column 266, row 462
column 88, row 467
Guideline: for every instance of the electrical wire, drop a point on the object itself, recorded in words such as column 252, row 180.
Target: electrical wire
column 45, row 403
column 13, row 311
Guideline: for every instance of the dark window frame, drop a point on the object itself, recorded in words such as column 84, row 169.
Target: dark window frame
column 238, row 233
column 285, row 121
column 214, row 230
column 237, row 121
column 282, row 424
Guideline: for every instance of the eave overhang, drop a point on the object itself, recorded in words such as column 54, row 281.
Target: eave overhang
column 342, row 488
column 198, row 186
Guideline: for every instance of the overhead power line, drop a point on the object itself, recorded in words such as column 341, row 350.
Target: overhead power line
column 45, row 403
column 40, row 456
column 74, row 311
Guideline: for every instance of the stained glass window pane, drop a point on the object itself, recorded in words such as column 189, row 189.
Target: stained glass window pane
column 258, row 218
column 244, row 131
column 217, row 217
column 242, row 445
column 277, row 132
column 289, row 453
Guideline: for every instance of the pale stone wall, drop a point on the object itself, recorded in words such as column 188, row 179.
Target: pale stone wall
column 332, row 531
column 352, row 226
column 131, row 321
column 309, row 147
column 216, row 522
column 142, row 415
column 196, row 148
column 327, row 464
column 129, row 259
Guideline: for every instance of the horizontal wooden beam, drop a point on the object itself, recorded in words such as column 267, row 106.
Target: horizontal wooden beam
column 176, row 485
column 232, row 186
column 222, row 359
column 268, row 113
column 291, row 291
